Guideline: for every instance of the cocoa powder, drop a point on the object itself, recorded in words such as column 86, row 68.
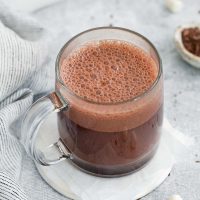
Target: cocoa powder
column 191, row 40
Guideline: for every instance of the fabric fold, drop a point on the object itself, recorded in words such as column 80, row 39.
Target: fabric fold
column 24, row 72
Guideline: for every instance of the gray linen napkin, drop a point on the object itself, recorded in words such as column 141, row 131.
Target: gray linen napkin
column 23, row 73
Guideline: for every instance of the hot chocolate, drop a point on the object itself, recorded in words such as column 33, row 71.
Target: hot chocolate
column 108, row 71
column 109, row 128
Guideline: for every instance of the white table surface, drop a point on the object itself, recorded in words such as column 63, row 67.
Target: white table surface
column 182, row 82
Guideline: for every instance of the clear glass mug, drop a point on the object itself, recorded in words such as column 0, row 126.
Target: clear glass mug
column 102, row 139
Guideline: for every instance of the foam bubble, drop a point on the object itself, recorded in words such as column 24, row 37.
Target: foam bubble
column 108, row 71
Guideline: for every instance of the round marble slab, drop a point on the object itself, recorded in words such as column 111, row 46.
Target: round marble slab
column 77, row 185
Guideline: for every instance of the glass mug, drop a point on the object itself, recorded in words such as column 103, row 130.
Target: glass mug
column 110, row 139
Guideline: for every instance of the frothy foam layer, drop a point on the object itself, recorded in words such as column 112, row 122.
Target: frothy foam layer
column 108, row 71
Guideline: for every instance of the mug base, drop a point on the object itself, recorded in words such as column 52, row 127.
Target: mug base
column 71, row 182
column 114, row 171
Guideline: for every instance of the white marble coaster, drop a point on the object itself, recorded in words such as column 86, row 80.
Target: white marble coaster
column 77, row 185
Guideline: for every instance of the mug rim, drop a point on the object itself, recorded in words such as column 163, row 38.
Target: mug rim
column 140, row 96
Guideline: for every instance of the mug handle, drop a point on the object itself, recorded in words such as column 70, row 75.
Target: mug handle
column 31, row 124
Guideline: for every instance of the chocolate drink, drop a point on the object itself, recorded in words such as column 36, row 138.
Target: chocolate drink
column 107, row 128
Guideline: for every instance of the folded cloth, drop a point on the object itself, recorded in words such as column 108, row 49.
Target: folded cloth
column 24, row 72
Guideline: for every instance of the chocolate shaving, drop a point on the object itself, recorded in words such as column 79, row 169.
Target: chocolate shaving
column 191, row 40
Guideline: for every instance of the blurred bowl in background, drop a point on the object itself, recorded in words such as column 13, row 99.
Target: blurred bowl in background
column 189, row 57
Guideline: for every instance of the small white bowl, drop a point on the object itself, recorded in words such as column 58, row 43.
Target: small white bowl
column 185, row 54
